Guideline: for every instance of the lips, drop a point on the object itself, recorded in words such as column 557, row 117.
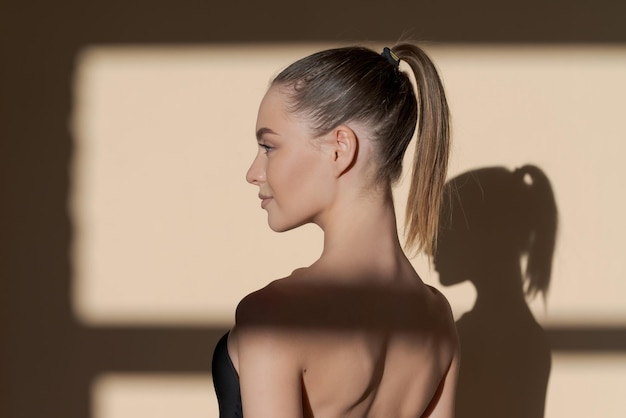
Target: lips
column 265, row 200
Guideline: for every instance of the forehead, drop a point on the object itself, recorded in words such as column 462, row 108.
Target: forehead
column 274, row 110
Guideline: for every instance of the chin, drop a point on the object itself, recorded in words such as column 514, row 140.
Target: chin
column 284, row 225
column 281, row 226
column 278, row 228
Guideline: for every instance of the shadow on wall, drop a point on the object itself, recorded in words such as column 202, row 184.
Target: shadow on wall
column 48, row 359
column 494, row 223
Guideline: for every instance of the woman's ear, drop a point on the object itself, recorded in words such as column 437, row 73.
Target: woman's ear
column 344, row 145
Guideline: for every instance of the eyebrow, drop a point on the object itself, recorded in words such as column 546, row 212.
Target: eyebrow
column 263, row 131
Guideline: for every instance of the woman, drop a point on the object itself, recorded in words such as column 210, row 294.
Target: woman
column 357, row 333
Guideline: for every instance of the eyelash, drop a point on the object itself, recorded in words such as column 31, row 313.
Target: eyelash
column 265, row 147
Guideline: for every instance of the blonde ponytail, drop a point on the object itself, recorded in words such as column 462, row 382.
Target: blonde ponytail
column 430, row 162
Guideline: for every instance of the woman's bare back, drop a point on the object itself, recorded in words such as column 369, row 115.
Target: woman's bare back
column 380, row 373
column 362, row 349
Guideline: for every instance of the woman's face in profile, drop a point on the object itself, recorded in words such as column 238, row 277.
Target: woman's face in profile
column 291, row 169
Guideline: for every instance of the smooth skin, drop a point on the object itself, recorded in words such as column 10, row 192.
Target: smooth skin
column 356, row 334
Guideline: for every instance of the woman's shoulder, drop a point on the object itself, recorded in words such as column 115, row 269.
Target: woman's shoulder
column 268, row 322
column 439, row 300
column 443, row 319
column 260, row 304
column 270, row 303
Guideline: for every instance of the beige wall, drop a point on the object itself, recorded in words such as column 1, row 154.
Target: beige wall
column 168, row 232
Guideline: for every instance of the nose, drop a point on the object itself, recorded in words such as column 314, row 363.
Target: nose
column 256, row 172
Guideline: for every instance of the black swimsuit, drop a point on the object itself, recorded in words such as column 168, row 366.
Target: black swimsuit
column 226, row 381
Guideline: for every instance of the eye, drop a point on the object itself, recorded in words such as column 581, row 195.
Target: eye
column 266, row 148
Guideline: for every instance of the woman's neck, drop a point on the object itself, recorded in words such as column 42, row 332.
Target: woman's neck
column 360, row 234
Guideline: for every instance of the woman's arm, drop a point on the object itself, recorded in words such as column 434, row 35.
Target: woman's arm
column 269, row 372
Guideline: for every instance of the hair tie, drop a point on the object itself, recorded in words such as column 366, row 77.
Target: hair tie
column 391, row 57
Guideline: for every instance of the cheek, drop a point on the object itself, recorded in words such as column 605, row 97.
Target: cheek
column 299, row 189
column 295, row 173
column 310, row 178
